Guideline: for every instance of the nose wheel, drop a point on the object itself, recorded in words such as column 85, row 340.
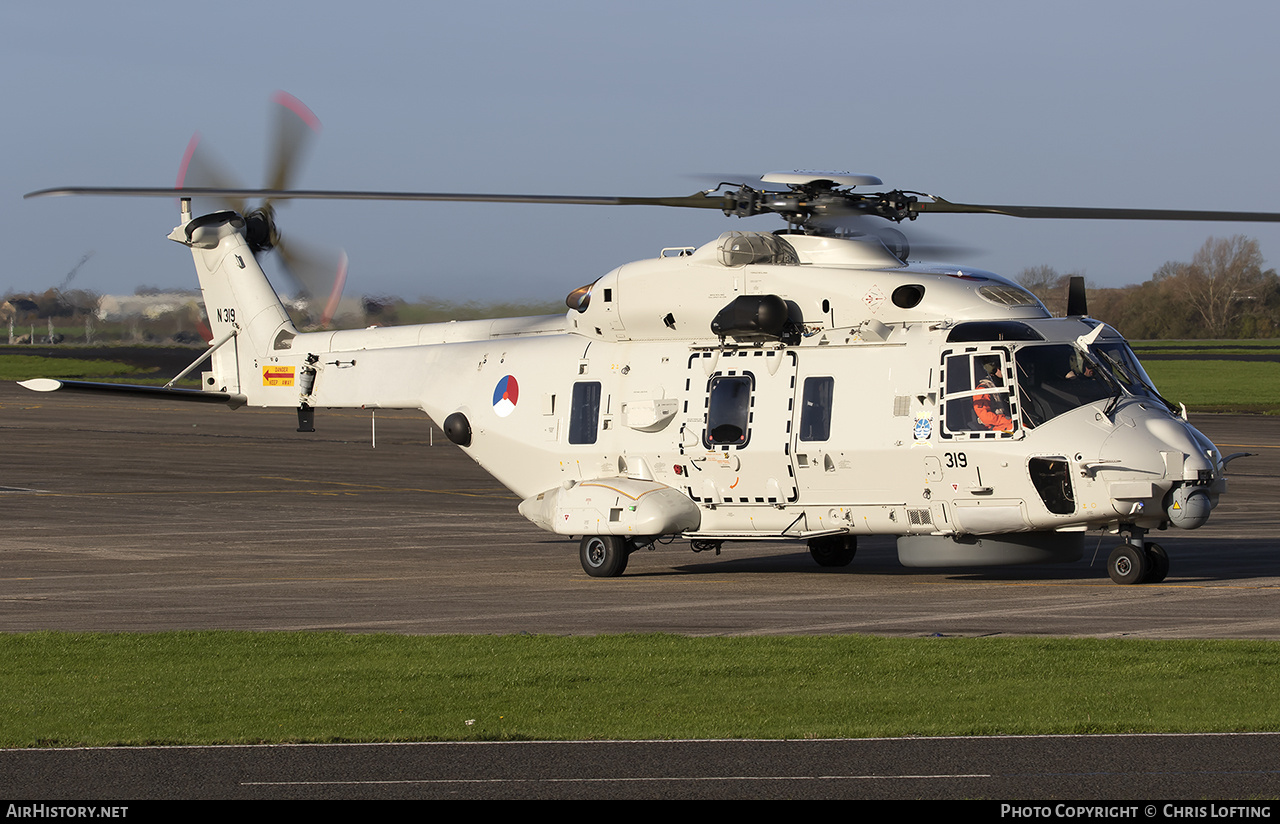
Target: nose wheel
column 1158, row 561
column 1129, row 564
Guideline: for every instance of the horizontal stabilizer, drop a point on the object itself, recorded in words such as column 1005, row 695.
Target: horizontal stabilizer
column 193, row 395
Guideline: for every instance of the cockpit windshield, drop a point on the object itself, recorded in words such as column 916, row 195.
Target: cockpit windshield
column 1056, row 378
column 1123, row 365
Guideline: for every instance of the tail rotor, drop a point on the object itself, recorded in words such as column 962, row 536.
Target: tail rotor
column 316, row 274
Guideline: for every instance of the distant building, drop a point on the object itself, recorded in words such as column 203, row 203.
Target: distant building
column 124, row 307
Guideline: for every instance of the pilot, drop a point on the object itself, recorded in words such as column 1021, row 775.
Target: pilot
column 991, row 409
column 1079, row 368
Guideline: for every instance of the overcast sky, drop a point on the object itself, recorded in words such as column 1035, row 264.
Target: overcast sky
column 1126, row 104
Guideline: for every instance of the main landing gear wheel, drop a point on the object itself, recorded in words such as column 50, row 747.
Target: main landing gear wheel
column 1157, row 563
column 603, row 556
column 833, row 550
column 1128, row 564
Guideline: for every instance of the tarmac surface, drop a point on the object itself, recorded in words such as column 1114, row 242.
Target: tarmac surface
column 135, row 515
column 1152, row 767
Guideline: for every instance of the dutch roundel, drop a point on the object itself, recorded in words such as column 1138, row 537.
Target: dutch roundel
column 505, row 395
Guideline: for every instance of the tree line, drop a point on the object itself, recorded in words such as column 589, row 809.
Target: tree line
column 1223, row 292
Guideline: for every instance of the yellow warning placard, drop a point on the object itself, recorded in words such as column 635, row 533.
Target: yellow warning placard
column 277, row 376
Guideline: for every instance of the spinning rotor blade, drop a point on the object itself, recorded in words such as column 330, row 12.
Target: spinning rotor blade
column 295, row 125
column 199, row 169
column 320, row 275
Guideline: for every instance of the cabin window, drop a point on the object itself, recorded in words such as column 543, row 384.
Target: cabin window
column 584, row 412
column 728, row 410
column 815, row 409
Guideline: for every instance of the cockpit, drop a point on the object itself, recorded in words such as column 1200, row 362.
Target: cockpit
column 993, row 391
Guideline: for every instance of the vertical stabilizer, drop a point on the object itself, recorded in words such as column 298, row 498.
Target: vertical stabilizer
column 242, row 307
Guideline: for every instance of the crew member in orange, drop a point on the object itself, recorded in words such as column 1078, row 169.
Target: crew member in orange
column 991, row 409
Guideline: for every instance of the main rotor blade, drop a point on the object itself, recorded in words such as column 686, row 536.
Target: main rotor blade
column 1090, row 213
column 698, row 200
column 726, row 201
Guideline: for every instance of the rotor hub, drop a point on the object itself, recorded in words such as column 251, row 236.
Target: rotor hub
column 260, row 229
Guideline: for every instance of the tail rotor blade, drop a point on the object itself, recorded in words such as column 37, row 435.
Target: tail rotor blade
column 318, row 274
column 200, row 169
column 294, row 127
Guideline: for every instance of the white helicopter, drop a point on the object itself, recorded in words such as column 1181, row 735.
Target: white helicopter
column 801, row 385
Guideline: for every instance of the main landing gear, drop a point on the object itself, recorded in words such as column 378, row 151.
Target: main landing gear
column 604, row 556
column 834, row 550
column 1136, row 562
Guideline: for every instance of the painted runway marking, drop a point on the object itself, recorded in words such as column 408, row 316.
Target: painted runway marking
column 959, row 776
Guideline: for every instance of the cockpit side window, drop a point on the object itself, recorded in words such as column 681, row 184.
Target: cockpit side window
column 977, row 399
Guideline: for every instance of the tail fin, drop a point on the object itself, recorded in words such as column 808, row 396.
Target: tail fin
column 245, row 314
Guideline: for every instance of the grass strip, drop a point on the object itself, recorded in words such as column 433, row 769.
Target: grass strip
column 1266, row 346
column 1219, row 386
column 63, row 689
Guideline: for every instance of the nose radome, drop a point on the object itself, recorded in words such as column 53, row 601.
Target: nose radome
column 1177, row 436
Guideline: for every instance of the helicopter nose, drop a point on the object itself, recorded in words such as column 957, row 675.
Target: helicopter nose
column 1178, row 439
column 1183, row 474
column 1188, row 504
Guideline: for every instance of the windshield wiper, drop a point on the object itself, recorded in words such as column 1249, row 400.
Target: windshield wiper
column 1111, row 378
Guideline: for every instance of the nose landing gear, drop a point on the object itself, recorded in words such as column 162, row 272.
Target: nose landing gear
column 1136, row 562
